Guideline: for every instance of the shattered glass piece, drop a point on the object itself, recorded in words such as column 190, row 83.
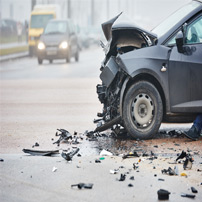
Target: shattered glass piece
column 54, row 169
column 105, row 153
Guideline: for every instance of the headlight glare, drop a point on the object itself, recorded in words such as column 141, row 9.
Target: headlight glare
column 41, row 46
column 64, row 45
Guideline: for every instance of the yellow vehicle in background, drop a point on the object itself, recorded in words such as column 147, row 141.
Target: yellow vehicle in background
column 40, row 16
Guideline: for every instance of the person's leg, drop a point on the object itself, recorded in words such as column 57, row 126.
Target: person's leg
column 195, row 130
column 198, row 122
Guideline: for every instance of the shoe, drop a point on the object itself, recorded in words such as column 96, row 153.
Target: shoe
column 193, row 133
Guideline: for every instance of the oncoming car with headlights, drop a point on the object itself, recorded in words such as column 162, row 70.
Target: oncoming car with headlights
column 58, row 41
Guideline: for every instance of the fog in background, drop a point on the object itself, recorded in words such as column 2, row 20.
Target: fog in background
column 85, row 13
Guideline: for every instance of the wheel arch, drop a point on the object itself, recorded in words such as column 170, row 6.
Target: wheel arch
column 142, row 77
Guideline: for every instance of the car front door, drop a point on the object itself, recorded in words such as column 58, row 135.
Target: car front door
column 185, row 72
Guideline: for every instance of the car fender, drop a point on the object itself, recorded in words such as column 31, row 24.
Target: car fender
column 146, row 64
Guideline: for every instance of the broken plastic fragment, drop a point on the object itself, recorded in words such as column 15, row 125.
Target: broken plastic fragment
column 194, row 190
column 97, row 161
column 176, row 170
column 182, row 155
column 64, row 136
column 188, row 195
column 83, row 185
column 188, row 162
column 163, row 194
column 168, row 171
column 122, row 177
column 54, row 169
column 183, row 174
column 105, row 153
column 115, row 171
column 69, row 156
column 41, row 152
column 131, row 154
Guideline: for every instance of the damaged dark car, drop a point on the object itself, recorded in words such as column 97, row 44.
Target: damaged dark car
column 150, row 77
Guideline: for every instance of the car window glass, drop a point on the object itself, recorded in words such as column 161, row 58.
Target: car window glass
column 162, row 28
column 56, row 27
column 194, row 32
column 172, row 41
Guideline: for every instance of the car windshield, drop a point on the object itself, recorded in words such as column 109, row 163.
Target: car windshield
column 162, row 28
column 56, row 27
column 40, row 21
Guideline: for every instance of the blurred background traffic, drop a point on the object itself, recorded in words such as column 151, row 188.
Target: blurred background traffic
column 22, row 22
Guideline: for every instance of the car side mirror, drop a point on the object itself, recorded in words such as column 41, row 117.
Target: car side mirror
column 180, row 41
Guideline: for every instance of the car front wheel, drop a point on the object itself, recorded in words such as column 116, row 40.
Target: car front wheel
column 40, row 61
column 142, row 110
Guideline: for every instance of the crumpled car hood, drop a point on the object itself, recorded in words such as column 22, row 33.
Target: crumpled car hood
column 110, row 26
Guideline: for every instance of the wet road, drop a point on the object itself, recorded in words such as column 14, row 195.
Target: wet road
column 38, row 99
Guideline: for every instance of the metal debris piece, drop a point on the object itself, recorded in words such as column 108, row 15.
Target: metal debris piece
column 188, row 195
column 41, row 152
column 64, row 136
column 69, row 156
column 83, row 185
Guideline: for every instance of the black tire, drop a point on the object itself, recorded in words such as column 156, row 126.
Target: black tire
column 142, row 110
column 68, row 58
column 77, row 56
column 31, row 51
column 40, row 61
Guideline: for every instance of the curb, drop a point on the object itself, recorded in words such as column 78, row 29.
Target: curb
column 14, row 56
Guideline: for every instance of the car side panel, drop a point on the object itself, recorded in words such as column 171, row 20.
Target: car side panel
column 149, row 60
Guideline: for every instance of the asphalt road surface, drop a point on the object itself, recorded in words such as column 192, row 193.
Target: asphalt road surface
column 36, row 100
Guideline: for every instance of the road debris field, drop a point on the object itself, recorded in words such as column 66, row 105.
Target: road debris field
column 168, row 167
column 49, row 152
